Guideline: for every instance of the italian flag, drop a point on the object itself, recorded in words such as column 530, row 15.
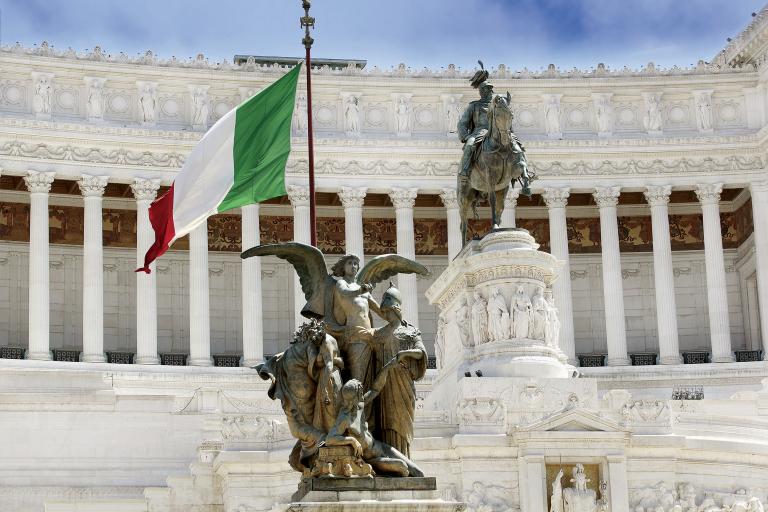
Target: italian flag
column 239, row 161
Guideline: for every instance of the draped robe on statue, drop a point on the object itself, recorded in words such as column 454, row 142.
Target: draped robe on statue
column 396, row 405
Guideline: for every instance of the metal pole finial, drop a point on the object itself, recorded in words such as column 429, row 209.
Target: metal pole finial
column 307, row 22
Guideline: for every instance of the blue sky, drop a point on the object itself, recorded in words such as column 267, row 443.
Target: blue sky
column 432, row 33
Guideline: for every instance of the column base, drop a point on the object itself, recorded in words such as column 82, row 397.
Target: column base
column 249, row 363
column 93, row 358
column 725, row 358
column 671, row 360
column 40, row 356
column 618, row 361
column 146, row 360
column 200, row 361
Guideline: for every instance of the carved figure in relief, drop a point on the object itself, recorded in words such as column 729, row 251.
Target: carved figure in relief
column 552, row 115
column 704, row 111
column 552, row 326
column 521, row 313
column 579, row 498
column 300, row 114
column 604, row 114
column 556, row 500
column 352, row 116
column 453, row 110
column 95, row 100
column 755, row 505
column 479, row 319
column 652, row 117
column 440, row 342
column 200, row 108
column 463, row 323
column 41, row 102
column 488, row 498
column 403, row 116
column 147, row 104
column 539, row 314
column 498, row 316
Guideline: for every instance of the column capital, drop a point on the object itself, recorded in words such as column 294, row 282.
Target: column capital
column 145, row 189
column 39, row 182
column 352, row 197
column 709, row 193
column 449, row 198
column 657, row 195
column 556, row 197
column 298, row 195
column 92, row 186
column 403, row 197
column 510, row 200
column 606, row 197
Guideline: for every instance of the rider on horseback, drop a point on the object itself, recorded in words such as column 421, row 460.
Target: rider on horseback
column 473, row 127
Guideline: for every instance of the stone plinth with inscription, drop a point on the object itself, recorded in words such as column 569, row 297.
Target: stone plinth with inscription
column 495, row 301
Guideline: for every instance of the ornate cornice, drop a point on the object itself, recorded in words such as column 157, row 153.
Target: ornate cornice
column 91, row 154
column 39, row 182
column 658, row 195
column 352, row 197
column 607, row 197
column 403, row 198
column 556, row 197
column 145, row 189
column 709, row 193
column 298, row 195
column 93, row 186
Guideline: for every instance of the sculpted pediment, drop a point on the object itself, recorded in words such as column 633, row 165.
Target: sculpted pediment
column 574, row 420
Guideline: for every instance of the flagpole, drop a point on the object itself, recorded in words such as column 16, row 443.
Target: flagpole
column 308, row 22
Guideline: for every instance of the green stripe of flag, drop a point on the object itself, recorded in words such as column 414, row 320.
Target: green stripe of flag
column 262, row 143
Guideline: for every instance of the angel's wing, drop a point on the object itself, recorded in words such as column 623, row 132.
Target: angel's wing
column 387, row 265
column 310, row 266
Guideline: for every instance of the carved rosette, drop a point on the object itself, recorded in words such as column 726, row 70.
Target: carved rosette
column 352, row 197
column 92, row 186
column 298, row 195
column 658, row 195
column 709, row 193
column 607, row 197
column 145, row 189
column 556, row 197
column 39, row 182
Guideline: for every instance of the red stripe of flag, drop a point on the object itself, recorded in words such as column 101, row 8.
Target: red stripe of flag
column 161, row 218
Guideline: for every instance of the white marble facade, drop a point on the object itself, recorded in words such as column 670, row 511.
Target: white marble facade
column 92, row 436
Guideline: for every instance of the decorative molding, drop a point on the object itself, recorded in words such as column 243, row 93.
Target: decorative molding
column 556, row 197
column 657, row 195
column 298, row 195
column 403, row 198
column 352, row 197
column 39, row 182
column 709, row 193
column 92, row 186
column 607, row 197
column 449, row 198
column 145, row 189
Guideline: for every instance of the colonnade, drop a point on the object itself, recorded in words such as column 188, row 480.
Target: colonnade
column 403, row 200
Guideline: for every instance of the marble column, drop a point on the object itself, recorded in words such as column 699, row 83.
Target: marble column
column 352, row 199
column 403, row 199
column 613, row 291
column 717, row 294
column 145, row 191
column 199, row 298
column 759, row 191
column 664, row 280
column 451, row 203
column 39, row 184
column 556, row 199
column 299, row 197
column 510, row 203
column 253, row 316
column 92, row 189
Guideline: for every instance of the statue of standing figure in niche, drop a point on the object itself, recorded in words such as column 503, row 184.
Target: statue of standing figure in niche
column 498, row 316
column 479, row 319
column 552, row 329
column 556, row 500
column 521, row 313
column 538, row 316
column 340, row 369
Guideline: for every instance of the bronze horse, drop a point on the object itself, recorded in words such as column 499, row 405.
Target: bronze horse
column 499, row 162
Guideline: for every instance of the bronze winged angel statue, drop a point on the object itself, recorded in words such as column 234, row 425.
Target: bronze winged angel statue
column 341, row 304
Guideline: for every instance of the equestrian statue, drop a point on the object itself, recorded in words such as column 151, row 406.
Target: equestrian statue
column 493, row 157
